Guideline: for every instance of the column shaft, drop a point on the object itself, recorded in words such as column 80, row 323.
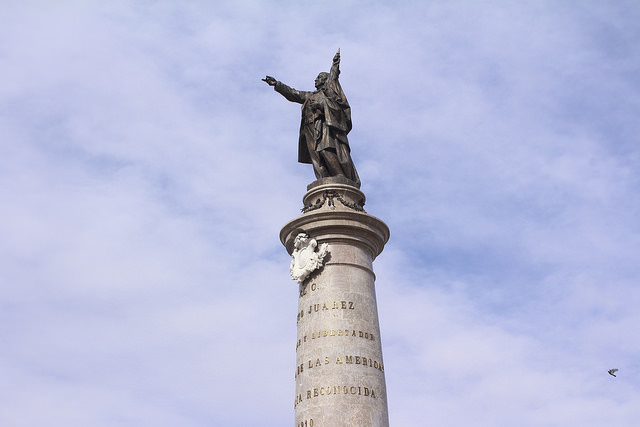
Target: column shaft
column 339, row 366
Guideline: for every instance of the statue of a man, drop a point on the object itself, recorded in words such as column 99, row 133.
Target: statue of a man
column 326, row 121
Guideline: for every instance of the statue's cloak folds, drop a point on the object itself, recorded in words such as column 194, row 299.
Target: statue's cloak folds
column 337, row 122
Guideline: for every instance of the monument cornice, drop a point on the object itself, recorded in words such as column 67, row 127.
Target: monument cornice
column 338, row 226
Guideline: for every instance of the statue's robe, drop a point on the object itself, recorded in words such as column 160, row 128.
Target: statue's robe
column 326, row 121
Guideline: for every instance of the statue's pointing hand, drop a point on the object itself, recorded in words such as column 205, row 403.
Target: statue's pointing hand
column 270, row 80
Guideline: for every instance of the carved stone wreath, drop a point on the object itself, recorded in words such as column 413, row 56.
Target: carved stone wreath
column 305, row 259
column 328, row 196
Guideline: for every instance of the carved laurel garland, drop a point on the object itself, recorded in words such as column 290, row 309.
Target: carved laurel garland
column 328, row 196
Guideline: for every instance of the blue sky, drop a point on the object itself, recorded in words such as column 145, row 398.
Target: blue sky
column 147, row 171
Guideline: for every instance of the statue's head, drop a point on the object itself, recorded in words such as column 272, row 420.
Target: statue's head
column 321, row 79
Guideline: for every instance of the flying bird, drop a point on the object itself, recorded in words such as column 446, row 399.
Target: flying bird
column 612, row 372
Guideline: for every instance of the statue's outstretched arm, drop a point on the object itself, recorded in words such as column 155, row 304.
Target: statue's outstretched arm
column 290, row 93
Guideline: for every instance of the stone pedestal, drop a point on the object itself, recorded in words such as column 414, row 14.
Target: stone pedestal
column 339, row 371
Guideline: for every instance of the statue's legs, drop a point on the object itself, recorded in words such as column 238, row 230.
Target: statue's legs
column 330, row 158
column 318, row 165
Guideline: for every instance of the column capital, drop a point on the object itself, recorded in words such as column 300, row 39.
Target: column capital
column 334, row 213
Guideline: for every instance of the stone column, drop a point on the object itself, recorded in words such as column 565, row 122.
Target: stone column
column 339, row 367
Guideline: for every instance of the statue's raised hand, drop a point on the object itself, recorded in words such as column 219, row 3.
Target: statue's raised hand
column 336, row 58
column 270, row 80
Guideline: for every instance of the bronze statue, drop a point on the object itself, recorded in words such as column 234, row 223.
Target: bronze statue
column 326, row 121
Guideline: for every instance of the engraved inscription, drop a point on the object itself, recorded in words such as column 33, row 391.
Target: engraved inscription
column 312, row 287
column 339, row 360
column 320, row 307
column 335, row 390
column 335, row 333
